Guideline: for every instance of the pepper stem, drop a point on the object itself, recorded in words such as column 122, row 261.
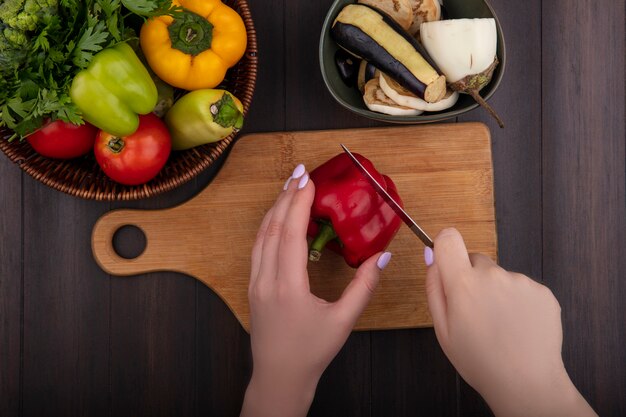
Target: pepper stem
column 116, row 144
column 325, row 234
column 190, row 33
column 225, row 112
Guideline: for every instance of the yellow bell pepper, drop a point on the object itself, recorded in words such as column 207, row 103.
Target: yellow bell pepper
column 194, row 49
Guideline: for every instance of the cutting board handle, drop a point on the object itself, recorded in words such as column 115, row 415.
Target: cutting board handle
column 102, row 243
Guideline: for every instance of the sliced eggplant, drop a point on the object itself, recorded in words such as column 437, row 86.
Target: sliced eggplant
column 461, row 47
column 399, row 10
column 366, row 72
column 465, row 50
column 348, row 67
column 376, row 100
column 405, row 98
column 424, row 11
column 375, row 37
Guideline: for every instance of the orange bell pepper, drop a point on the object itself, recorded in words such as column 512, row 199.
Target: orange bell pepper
column 194, row 49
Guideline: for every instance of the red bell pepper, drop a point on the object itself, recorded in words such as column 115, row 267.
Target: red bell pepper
column 347, row 214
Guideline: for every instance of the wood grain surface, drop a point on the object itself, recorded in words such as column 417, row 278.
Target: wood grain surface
column 584, row 193
column 443, row 173
column 11, row 281
column 77, row 342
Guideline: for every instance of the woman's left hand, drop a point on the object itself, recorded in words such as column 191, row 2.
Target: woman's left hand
column 295, row 334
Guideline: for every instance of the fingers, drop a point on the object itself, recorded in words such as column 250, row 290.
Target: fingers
column 258, row 246
column 359, row 292
column 480, row 261
column 437, row 304
column 274, row 230
column 293, row 250
column 451, row 257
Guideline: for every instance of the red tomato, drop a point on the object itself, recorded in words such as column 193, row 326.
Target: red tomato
column 137, row 158
column 62, row 140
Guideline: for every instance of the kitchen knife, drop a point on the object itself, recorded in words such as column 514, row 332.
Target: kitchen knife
column 419, row 232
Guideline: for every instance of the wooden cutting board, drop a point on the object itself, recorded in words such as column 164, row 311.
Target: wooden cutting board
column 443, row 173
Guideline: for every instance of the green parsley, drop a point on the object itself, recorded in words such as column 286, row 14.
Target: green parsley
column 45, row 43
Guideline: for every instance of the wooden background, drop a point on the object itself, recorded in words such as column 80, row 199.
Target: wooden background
column 76, row 342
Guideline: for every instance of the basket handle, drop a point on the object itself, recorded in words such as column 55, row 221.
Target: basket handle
column 153, row 258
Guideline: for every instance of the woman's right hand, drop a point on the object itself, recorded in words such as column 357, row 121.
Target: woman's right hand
column 501, row 331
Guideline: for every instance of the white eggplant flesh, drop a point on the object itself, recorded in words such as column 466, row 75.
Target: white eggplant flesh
column 376, row 100
column 465, row 51
column 460, row 47
column 405, row 98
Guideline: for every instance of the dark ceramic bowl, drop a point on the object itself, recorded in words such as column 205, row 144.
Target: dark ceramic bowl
column 350, row 97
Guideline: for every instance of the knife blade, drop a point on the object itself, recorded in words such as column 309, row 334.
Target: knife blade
column 415, row 228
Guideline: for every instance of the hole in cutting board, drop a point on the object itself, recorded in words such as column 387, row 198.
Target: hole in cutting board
column 129, row 242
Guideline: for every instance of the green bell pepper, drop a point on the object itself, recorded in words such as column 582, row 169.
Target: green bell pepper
column 203, row 116
column 114, row 90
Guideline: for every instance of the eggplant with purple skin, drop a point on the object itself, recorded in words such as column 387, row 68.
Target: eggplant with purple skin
column 348, row 67
column 373, row 36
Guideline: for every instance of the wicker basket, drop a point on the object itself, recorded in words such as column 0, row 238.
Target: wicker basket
column 83, row 177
